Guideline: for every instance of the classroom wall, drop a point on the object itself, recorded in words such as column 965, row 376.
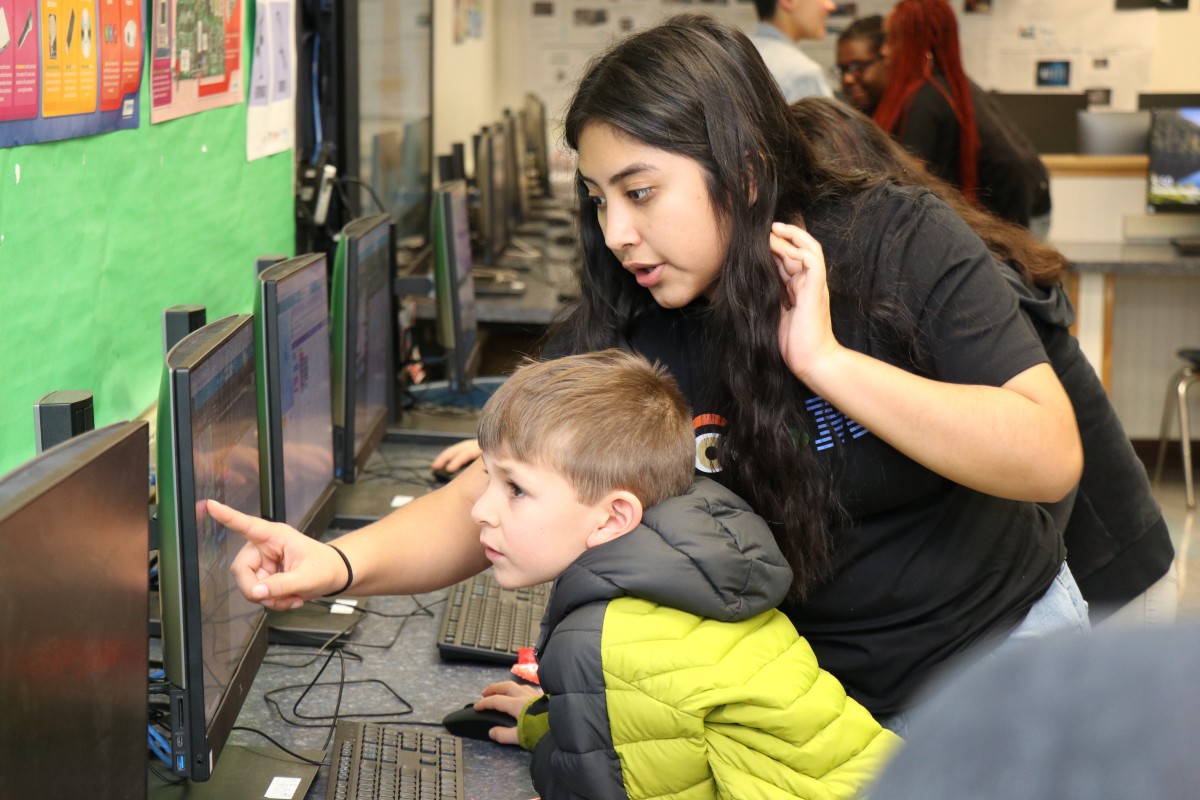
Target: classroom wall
column 465, row 75
column 99, row 235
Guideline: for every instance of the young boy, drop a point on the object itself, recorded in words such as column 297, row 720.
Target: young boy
column 667, row 670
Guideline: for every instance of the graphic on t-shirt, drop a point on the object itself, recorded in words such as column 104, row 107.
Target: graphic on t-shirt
column 832, row 425
column 708, row 429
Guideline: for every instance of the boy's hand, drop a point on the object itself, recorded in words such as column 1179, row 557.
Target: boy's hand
column 508, row 697
column 457, row 456
column 279, row 567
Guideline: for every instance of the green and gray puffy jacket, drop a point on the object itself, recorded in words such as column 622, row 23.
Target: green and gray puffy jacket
column 669, row 673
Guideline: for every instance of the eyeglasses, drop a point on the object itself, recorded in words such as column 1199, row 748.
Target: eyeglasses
column 853, row 68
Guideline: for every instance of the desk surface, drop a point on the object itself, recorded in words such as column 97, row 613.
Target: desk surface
column 1128, row 258
column 410, row 667
column 545, row 282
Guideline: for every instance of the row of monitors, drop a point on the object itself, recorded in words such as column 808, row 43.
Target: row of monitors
column 249, row 414
column 506, row 169
column 1165, row 127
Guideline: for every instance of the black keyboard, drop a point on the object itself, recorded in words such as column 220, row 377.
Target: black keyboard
column 398, row 762
column 484, row 621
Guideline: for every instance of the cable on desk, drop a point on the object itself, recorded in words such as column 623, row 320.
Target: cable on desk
column 169, row 779
column 293, row 754
column 323, row 646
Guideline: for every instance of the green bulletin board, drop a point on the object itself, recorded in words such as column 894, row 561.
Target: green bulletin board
column 99, row 235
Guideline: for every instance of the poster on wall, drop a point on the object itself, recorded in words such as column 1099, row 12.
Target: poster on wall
column 271, row 101
column 468, row 20
column 195, row 56
column 68, row 68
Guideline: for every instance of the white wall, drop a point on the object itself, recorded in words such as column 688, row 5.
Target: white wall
column 465, row 75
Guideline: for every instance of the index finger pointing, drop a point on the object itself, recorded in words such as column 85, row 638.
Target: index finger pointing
column 252, row 528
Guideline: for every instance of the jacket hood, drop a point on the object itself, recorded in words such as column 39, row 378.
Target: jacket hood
column 1051, row 306
column 704, row 552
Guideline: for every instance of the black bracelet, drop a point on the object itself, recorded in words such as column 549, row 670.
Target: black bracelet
column 349, row 573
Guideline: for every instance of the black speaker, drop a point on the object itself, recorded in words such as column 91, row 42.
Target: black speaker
column 179, row 321
column 445, row 168
column 264, row 262
column 60, row 415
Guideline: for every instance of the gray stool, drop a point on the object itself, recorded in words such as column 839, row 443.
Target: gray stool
column 1177, row 399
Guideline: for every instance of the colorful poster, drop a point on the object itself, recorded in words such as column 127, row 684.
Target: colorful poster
column 271, row 106
column 195, row 56
column 68, row 68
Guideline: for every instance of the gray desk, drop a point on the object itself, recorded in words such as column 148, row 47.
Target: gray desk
column 411, row 667
column 544, row 281
column 1127, row 258
column 1095, row 267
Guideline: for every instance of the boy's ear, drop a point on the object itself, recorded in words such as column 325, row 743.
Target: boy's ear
column 624, row 513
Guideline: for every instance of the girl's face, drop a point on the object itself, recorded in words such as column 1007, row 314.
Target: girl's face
column 655, row 212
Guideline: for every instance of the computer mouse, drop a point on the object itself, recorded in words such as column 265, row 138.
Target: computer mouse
column 475, row 724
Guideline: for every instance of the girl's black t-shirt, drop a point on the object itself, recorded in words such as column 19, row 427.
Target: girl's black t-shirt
column 926, row 568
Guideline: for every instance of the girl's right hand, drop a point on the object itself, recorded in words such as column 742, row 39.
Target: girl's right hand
column 805, row 328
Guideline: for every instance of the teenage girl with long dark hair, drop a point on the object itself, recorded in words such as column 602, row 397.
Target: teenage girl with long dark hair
column 856, row 369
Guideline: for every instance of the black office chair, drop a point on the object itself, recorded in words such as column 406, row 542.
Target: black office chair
column 1177, row 392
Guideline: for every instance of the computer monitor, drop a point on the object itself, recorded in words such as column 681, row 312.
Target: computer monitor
column 518, row 176
column 1152, row 100
column 360, row 314
column 537, row 140
column 213, row 638
column 455, row 288
column 295, row 393
column 1173, row 174
column 416, row 183
column 1047, row 118
column 1106, row 133
column 491, row 171
column 73, row 583
column 385, row 170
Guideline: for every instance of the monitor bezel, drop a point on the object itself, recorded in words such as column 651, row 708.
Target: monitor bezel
column 347, row 460
column 196, row 746
column 452, row 333
column 316, row 520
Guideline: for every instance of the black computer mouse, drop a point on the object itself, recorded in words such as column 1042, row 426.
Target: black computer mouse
column 472, row 724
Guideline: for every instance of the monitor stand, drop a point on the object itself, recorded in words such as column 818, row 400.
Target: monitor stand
column 244, row 772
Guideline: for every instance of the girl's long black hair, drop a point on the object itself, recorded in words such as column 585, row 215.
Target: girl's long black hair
column 697, row 87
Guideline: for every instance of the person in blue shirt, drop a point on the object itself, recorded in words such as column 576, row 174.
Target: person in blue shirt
column 783, row 23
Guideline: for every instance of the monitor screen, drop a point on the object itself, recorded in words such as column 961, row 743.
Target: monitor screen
column 455, row 287
column 361, row 320
column 213, row 638
column 518, row 200
column 490, row 170
column 295, row 394
column 1105, row 133
column 73, row 572
column 1173, row 182
column 537, row 140
column 500, row 188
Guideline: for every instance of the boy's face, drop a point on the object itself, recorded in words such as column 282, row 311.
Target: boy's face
column 532, row 525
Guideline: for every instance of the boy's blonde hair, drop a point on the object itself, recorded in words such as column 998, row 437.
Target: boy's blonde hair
column 605, row 420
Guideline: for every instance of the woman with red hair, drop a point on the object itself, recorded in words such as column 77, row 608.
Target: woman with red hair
column 927, row 105
column 932, row 108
